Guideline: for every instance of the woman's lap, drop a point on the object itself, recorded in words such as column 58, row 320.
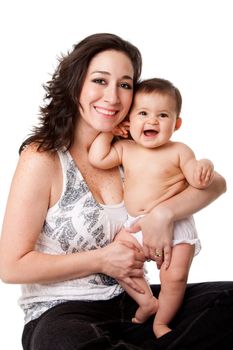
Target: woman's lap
column 204, row 322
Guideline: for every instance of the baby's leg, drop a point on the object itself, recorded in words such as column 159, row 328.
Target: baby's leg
column 148, row 304
column 173, row 285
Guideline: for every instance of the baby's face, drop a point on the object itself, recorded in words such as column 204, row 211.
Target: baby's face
column 153, row 118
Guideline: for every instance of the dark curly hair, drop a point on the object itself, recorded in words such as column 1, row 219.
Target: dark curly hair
column 58, row 116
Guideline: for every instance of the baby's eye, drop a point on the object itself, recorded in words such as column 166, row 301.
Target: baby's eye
column 143, row 113
column 163, row 115
column 126, row 86
column 99, row 81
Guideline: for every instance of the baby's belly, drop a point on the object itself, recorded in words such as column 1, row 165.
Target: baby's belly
column 142, row 201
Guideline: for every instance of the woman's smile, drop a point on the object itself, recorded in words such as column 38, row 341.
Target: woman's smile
column 105, row 112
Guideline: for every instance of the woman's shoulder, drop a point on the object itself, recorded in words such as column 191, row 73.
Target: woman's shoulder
column 34, row 174
column 33, row 151
column 33, row 158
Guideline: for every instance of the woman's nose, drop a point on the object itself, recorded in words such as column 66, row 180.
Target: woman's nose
column 111, row 94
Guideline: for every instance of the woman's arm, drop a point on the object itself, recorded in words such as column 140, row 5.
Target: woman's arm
column 157, row 226
column 28, row 202
column 191, row 200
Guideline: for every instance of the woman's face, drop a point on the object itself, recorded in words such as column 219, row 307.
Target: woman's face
column 107, row 91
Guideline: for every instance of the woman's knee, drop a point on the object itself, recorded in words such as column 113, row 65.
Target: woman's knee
column 61, row 334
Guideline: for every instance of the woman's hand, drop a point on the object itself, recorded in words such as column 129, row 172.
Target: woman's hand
column 157, row 226
column 122, row 260
column 157, row 229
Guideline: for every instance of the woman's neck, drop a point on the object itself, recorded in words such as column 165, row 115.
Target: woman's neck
column 84, row 136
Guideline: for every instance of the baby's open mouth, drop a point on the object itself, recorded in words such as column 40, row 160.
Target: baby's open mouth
column 150, row 132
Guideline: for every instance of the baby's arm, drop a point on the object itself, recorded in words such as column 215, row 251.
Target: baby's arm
column 104, row 155
column 203, row 172
column 199, row 173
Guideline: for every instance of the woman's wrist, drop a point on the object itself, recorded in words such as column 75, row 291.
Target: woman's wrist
column 99, row 260
column 162, row 212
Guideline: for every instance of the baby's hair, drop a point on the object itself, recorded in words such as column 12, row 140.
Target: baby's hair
column 162, row 86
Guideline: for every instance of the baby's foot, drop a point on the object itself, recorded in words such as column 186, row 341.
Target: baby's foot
column 160, row 329
column 145, row 311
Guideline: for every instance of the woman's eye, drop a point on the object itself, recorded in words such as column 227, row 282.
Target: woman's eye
column 99, row 81
column 126, row 86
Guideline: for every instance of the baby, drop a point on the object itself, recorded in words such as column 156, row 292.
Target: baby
column 155, row 169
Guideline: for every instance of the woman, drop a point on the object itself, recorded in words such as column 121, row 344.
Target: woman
column 62, row 215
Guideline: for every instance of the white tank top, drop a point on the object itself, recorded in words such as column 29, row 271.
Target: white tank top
column 75, row 223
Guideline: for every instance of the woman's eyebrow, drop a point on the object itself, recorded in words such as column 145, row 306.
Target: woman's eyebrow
column 107, row 73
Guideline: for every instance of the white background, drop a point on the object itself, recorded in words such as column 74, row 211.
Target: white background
column 186, row 41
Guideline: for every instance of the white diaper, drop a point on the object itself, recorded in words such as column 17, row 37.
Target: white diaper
column 184, row 232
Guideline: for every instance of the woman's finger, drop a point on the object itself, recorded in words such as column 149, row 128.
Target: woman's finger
column 138, row 252
column 167, row 251
column 132, row 284
column 158, row 260
column 133, row 228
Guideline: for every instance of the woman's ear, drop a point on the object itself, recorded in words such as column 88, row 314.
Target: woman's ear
column 178, row 123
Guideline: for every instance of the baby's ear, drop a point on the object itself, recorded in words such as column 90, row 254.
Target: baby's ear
column 178, row 123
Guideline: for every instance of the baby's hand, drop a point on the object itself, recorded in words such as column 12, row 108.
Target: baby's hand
column 121, row 129
column 204, row 172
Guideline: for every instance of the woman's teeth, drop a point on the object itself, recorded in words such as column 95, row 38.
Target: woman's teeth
column 105, row 111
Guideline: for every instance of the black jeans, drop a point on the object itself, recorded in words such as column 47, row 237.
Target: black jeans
column 205, row 321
